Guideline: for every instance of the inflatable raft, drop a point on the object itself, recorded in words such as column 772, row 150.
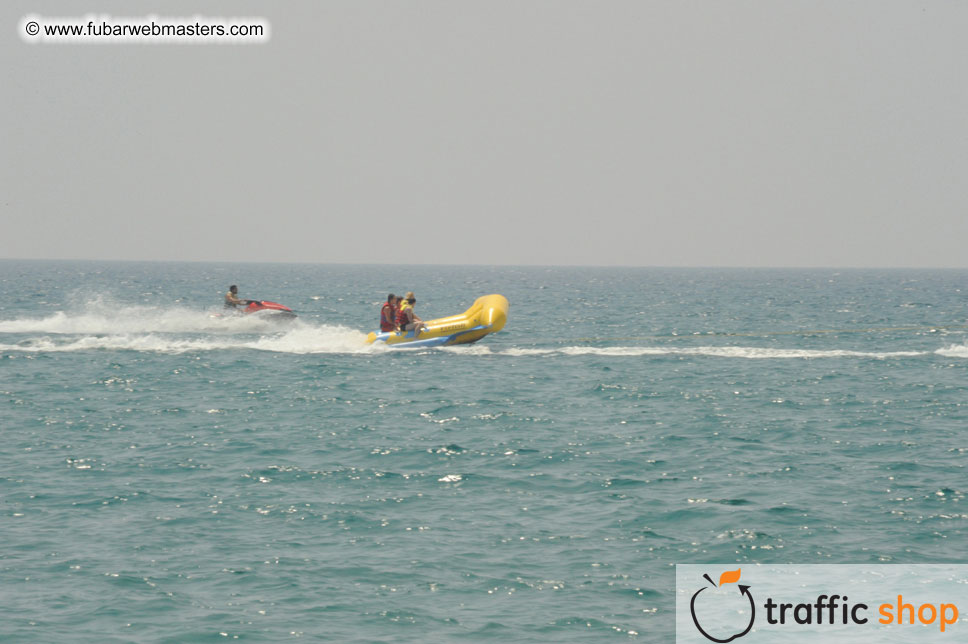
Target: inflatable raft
column 487, row 315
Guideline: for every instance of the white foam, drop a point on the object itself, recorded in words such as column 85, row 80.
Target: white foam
column 143, row 328
column 96, row 319
column 104, row 325
column 316, row 339
column 723, row 352
column 309, row 339
column 954, row 351
column 468, row 349
column 528, row 352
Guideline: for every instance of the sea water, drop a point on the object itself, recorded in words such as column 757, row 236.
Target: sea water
column 171, row 475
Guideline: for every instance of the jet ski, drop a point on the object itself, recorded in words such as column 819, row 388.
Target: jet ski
column 261, row 309
column 268, row 310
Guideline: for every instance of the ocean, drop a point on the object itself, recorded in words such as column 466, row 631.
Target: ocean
column 170, row 476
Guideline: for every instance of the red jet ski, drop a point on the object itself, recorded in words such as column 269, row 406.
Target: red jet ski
column 267, row 309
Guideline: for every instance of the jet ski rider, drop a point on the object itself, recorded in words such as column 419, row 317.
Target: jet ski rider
column 232, row 300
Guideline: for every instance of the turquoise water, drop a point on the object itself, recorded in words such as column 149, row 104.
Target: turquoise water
column 167, row 476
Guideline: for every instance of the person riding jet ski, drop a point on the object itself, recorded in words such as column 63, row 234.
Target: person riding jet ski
column 232, row 300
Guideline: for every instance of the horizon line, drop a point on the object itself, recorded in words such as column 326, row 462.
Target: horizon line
column 470, row 264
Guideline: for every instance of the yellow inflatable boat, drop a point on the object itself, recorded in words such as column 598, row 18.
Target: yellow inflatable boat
column 487, row 315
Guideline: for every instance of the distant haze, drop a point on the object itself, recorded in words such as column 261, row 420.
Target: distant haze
column 796, row 133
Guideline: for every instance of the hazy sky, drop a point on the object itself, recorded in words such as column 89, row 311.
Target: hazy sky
column 769, row 133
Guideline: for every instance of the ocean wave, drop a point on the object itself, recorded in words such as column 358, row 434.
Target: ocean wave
column 102, row 325
column 736, row 352
column 466, row 349
column 954, row 351
column 101, row 319
column 313, row 339
column 174, row 330
column 719, row 352
column 310, row 339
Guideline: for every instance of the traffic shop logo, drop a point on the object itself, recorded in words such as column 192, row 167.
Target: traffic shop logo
column 726, row 611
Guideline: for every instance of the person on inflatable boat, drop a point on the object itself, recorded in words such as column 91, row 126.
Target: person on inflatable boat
column 388, row 315
column 407, row 320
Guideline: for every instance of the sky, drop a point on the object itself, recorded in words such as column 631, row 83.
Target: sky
column 552, row 132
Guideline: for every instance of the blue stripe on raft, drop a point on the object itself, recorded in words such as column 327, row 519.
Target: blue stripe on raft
column 418, row 344
column 429, row 342
column 383, row 335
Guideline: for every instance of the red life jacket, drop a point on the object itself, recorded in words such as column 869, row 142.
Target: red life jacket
column 387, row 316
column 402, row 318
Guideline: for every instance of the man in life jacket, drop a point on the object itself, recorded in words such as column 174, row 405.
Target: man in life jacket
column 388, row 315
column 232, row 300
column 407, row 320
